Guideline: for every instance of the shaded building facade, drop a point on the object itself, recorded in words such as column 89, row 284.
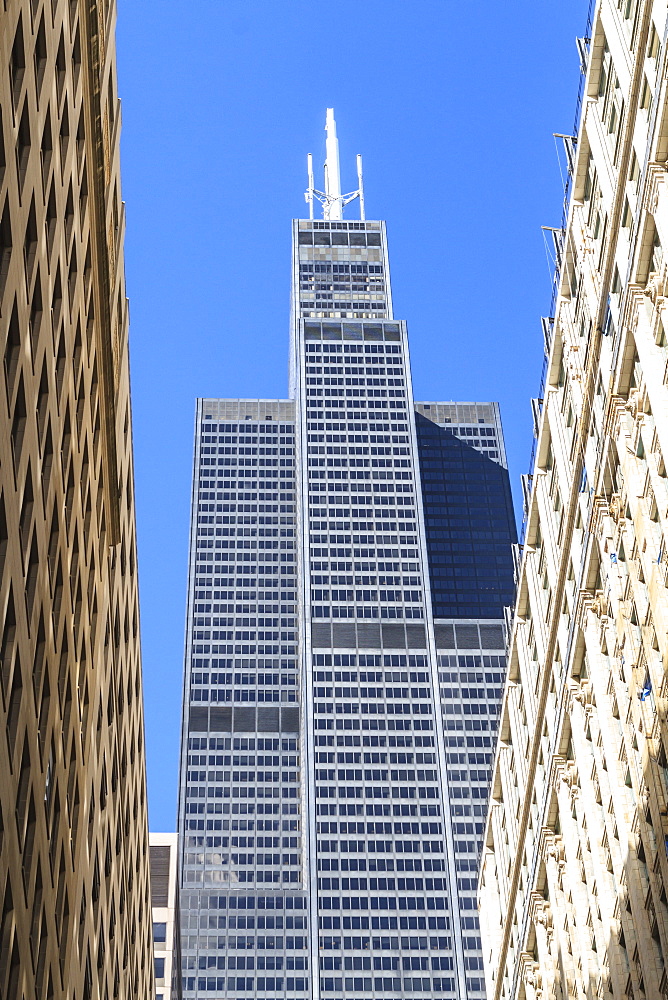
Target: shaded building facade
column 468, row 514
column 163, row 858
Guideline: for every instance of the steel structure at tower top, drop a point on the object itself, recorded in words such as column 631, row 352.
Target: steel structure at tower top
column 331, row 199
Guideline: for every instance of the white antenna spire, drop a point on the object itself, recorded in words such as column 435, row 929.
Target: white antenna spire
column 333, row 206
column 331, row 199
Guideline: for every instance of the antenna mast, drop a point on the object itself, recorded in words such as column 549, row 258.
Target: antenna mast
column 333, row 206
column 331, row 199
column 360, row 185
column 309, row 193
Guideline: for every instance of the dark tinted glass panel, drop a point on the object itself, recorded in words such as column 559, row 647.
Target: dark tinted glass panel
column 469, row 523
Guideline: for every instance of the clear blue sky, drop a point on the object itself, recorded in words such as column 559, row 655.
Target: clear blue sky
column 453, row 106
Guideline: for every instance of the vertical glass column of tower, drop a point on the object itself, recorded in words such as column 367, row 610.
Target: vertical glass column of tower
column 239, row 807
column 350, row 562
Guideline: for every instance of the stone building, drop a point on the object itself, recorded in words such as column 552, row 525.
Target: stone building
column 575, row 865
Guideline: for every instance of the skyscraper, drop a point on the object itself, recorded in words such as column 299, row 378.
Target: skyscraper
column 575, row 873
column 74, row 887
column 337, row 736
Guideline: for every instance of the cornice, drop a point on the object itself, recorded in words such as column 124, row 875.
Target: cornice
column 655, row 178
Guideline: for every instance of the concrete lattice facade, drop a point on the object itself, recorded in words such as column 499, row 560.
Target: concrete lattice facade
column 575, row 868
column 74, row 886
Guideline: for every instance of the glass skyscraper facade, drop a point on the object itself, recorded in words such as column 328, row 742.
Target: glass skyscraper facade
column 350, row 561
column 468, row 516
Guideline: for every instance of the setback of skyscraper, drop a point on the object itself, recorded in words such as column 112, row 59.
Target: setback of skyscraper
column 337, row 734
column 468, row 516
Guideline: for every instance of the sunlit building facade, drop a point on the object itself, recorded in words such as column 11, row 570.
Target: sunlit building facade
column 575, row 867
column 337, row 734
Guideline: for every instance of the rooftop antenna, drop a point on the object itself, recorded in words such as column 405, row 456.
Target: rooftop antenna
column 332, row 169
column 331, row 199
column 309, row 193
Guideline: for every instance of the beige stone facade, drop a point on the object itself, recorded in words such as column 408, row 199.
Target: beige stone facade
column 74, row 887
column 575, row 865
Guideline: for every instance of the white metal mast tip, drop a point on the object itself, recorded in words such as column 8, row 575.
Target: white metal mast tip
column 331, row 199
column 333, row 208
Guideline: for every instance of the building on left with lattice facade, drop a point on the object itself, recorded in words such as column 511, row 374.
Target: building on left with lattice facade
column 74, row 882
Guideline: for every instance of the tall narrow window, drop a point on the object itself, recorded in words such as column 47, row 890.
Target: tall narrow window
column 5, row 246
column 17, row 63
